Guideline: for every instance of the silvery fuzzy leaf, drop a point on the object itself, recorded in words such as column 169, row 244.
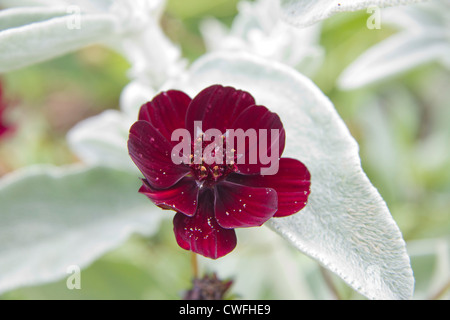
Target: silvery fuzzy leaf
column 303, row 13
column 399, row 53
column 28, row 3
column 52, row 218
column 37, row 42
column 16, row 17
column 425, row 37
column 153, row 57
column 85, row 5
column 258, row 29
column 133, row 96
column 44, row 31
column 102, row 140
column 346, row 225
column 430, row 15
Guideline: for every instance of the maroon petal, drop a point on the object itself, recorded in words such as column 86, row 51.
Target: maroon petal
column 217, row 107
column 201, row 233
column 151, row 152
column 258, row 118
column 292, row 184
column 182, row 197
column 166, row 112
column 239, row 206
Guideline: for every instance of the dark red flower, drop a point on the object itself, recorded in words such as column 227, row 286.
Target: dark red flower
column 213, row 198
column 4, row 128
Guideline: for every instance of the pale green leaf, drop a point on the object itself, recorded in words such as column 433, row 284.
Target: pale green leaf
column 258, row 29
column 133, row 96
column 17, row 17
column 52, row 218
column 393, row 56
column 37, row 42
column 303, row 13
column 26, row 3
column 102, row 140
column 424, row 38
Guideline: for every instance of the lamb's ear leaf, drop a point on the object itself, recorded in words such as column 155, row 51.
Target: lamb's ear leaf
column 55, row 217
column 36, row 42
column 17, row 17
column 303, row 13
column 102, row 140
column 393, row 56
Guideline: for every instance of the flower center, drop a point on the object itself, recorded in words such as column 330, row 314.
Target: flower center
column 211, row 162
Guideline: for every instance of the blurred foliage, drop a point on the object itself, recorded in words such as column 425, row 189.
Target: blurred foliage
column 140, row 269
column 182, row 19
column 394, row 122
column 48, row 99
column 401, row 126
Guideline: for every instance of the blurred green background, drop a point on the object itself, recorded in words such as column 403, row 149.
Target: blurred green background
column 402, row 127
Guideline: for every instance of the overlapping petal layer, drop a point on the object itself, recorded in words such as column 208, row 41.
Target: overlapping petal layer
column 151, row 152
column 201, row 233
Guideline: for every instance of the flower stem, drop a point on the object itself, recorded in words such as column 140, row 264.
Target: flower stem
column 330, row 284
column 194, row 264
